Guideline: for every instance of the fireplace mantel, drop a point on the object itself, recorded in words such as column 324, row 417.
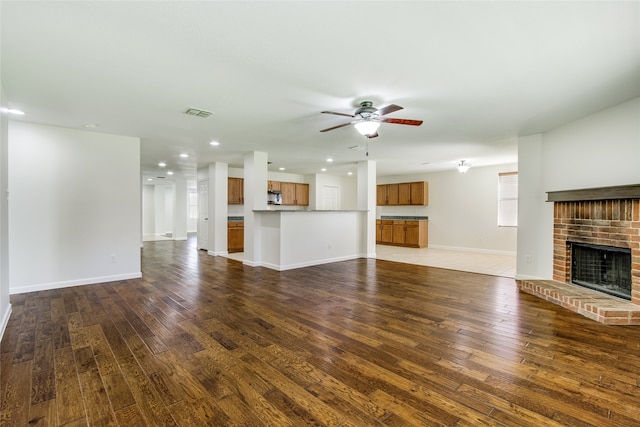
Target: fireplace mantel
column 619, row 192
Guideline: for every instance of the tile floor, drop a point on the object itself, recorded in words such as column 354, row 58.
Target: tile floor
column 474, row 262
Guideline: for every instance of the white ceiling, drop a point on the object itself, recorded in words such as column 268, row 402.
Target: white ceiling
column 478, row 73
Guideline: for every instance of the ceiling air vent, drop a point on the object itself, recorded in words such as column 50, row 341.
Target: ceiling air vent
column 198, row 113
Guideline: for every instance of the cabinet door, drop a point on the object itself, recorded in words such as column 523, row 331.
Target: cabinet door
column 398, row 232
column 386, row 233
column 235, row 237
column 273, row 185
column 381, row 195
column 412, row 235
column 302, row 194
column 235, row 191
column 378, row 231
column 288, row 193
column 419, row 193
column 404, row 193
column 392, row 194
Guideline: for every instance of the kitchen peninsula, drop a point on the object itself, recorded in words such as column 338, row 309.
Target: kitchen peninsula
column 289, row 239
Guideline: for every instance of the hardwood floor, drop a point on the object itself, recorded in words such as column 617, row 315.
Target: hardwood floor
column 204, row 340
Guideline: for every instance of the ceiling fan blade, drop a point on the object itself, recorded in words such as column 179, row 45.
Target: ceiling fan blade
column 389, row 109
column 402, row 121
column 373, row 135
column 337, row 114
column 336, row 127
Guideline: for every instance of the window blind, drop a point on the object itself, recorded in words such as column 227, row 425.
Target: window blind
column 508, row 199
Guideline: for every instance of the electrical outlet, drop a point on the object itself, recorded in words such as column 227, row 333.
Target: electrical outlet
column 114, row 259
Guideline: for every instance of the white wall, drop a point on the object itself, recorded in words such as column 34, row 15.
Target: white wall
column 599, row 150
column 347, row 186
column 74, row 214
column 148, row 210
column 462, row 210
column 5, row 305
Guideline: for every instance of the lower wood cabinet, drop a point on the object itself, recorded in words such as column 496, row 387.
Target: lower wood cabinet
column 384, row 232
column 235, row 236
column 402, row 233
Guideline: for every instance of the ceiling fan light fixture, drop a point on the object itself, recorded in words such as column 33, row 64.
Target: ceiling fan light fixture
column 463, row 167
column 367, row 127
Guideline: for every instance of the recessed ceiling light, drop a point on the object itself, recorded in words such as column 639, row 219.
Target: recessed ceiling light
column 349, row 173
column 214, row 143
column 149, row 179
column 323, row 169
column 281, row 169
column 184, row 155
column 329, row 159
column 170, row 173
column 162, row 164
column 12, row 111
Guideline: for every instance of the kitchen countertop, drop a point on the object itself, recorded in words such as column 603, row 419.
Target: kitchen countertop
column 305, row 211
column 406, row 218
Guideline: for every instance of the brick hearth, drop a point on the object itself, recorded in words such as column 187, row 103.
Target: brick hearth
column 613, row 220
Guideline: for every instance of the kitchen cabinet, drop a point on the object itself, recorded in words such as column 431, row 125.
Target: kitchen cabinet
column 294, row 194
column 402, row 233
column 413, row 193
column 384, row 231
column 302, row 194
column 403, row 194
column 235, row 191
column 235, row 236
column 387, row 194
column 273, row 185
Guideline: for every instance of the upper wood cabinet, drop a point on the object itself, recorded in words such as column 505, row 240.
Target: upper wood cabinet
column 387, row 194
column 274, row 185
column 406, row 193
column 235, row 191
column 294, row 193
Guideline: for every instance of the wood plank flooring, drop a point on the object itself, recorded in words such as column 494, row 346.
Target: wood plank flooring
column 203, row 340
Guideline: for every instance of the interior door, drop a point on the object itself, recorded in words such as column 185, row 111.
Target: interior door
column 203, row 215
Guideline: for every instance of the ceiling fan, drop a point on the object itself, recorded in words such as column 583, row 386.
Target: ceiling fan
column 368, row 118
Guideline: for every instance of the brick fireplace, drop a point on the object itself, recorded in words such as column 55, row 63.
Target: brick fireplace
column 608, row 217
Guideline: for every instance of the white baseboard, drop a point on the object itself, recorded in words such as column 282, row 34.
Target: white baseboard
column 218, row 253
column 525, row 277
column 4, row 321
column 309, row 263
column 67, row 284
column 476, row 250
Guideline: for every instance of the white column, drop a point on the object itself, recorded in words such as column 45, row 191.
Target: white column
column 367, row 201
column 218, row 177
column 255, row 198
column 180, row 209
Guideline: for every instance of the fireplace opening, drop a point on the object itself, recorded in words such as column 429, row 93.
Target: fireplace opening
column 603, row 268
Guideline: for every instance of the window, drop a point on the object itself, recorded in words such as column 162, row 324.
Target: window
column 193, row 205
column 508, row 199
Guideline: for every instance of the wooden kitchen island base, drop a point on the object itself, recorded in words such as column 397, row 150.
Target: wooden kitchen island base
column 409, row 233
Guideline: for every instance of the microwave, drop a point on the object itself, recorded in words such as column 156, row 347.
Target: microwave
column 274, row 197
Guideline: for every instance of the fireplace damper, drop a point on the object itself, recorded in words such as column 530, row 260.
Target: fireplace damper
column 603, row 268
